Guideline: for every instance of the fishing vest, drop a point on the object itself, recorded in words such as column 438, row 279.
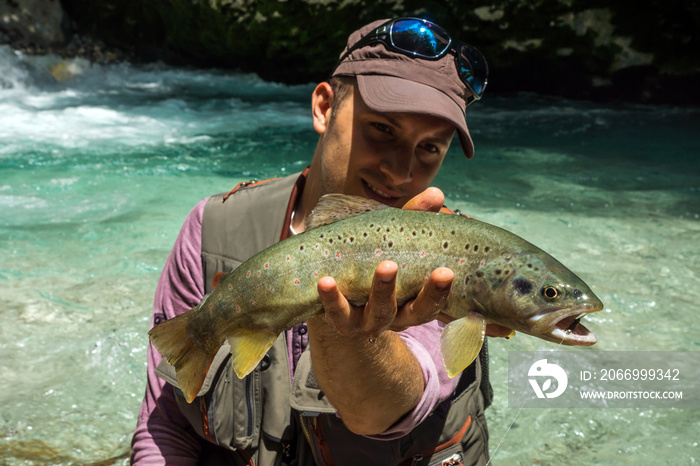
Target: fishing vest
column 264, row 419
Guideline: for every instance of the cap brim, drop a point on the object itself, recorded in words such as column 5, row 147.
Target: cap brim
column 390, row 94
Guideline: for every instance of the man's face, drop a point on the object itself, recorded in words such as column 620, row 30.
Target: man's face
column 388, row 157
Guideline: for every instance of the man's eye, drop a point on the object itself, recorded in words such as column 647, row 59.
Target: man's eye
column 382, row 127
column 433, row 149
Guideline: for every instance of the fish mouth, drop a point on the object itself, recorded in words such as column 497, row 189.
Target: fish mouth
column 565, row 327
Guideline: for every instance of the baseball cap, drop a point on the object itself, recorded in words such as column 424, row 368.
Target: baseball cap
column 393, row 82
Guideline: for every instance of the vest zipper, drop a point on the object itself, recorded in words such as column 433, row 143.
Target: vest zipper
column 250, row 400
column 304, row 429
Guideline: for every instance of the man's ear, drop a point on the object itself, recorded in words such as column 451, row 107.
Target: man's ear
column 321, row 104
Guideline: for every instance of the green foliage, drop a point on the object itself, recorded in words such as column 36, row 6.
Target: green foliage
column 566, row 47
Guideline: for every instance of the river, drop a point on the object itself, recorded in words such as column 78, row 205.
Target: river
column 98, row 172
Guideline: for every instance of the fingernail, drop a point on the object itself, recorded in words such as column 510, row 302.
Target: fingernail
column 442, row 286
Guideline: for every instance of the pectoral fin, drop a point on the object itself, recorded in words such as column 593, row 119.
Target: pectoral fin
column 461, row 341
column 248, row 348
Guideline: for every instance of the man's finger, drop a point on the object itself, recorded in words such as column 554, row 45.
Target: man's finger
column 431, row 200
column 381, row 305
column 498, row 331
column 429, row 302
column 338, row 311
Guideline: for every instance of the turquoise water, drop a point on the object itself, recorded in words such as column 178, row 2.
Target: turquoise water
column 97, row 174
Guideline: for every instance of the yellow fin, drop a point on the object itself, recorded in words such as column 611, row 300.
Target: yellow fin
column 248, row 348
column 334, row 207
column 461, row 341
column 191, row 362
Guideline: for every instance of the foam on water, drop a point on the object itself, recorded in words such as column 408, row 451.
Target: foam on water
column 98, row 172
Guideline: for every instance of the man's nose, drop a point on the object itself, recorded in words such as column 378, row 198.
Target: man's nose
column 397, row 165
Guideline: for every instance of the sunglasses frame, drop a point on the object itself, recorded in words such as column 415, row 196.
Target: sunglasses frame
column 384, row 34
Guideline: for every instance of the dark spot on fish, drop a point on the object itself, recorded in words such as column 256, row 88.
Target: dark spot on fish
column 445, row 245
column 422, row 232
column 430, row 234
column 379, row 229
column 452, row 232
column 466, row 247
column 577, row 293
column 391, row 243
column 497, row 271
column 476, row 247
column 508, row 258
column 466, row 280
column 364, row 234
column 522, row 286
column 487, row 249
column 352, row 239
column 479, row 273
column 330, row 240
column 414, row 233
column 529, row 266
column 301, row 248
column 340, row 237
column 384, row 237
column 388, row 229
column 537, row 269
column 401, row 230
column 371, row 225
column 507, row 272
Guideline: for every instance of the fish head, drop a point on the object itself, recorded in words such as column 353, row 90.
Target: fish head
column 535, row 295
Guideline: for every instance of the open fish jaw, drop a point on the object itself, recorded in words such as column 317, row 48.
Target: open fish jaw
column 565, row 327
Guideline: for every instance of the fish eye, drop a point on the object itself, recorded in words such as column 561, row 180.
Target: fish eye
column 550, row 293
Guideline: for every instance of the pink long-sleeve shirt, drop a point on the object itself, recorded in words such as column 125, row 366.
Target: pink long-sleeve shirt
column 164, row 436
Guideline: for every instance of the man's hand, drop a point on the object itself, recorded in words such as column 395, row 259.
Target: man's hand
column 381, row 311
column 368, row 373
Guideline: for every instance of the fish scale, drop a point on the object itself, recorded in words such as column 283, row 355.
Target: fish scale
column 499, row 278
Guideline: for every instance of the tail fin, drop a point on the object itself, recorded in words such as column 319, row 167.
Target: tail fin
column 191, row 362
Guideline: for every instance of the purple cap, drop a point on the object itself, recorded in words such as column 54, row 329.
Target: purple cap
column 396, row 83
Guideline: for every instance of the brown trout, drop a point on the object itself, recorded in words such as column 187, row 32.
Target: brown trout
column 499, row 278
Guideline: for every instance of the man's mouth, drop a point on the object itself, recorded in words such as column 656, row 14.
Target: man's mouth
column 378, row 194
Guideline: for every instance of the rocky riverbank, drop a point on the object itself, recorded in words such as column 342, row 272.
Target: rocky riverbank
column 642, row 51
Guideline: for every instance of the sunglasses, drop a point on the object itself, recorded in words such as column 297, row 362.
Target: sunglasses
column 421, row 38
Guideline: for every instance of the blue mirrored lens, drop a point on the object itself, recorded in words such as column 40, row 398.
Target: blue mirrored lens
column 420, row 38
column 472, row 68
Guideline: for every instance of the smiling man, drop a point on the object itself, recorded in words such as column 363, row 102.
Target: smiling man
column 364, row 383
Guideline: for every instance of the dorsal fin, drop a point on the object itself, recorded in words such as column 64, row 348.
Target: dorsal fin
column 334, row 207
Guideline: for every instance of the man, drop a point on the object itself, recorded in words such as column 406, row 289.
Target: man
column 364, row 382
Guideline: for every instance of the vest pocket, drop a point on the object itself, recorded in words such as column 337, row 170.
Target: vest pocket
column 227, row 409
